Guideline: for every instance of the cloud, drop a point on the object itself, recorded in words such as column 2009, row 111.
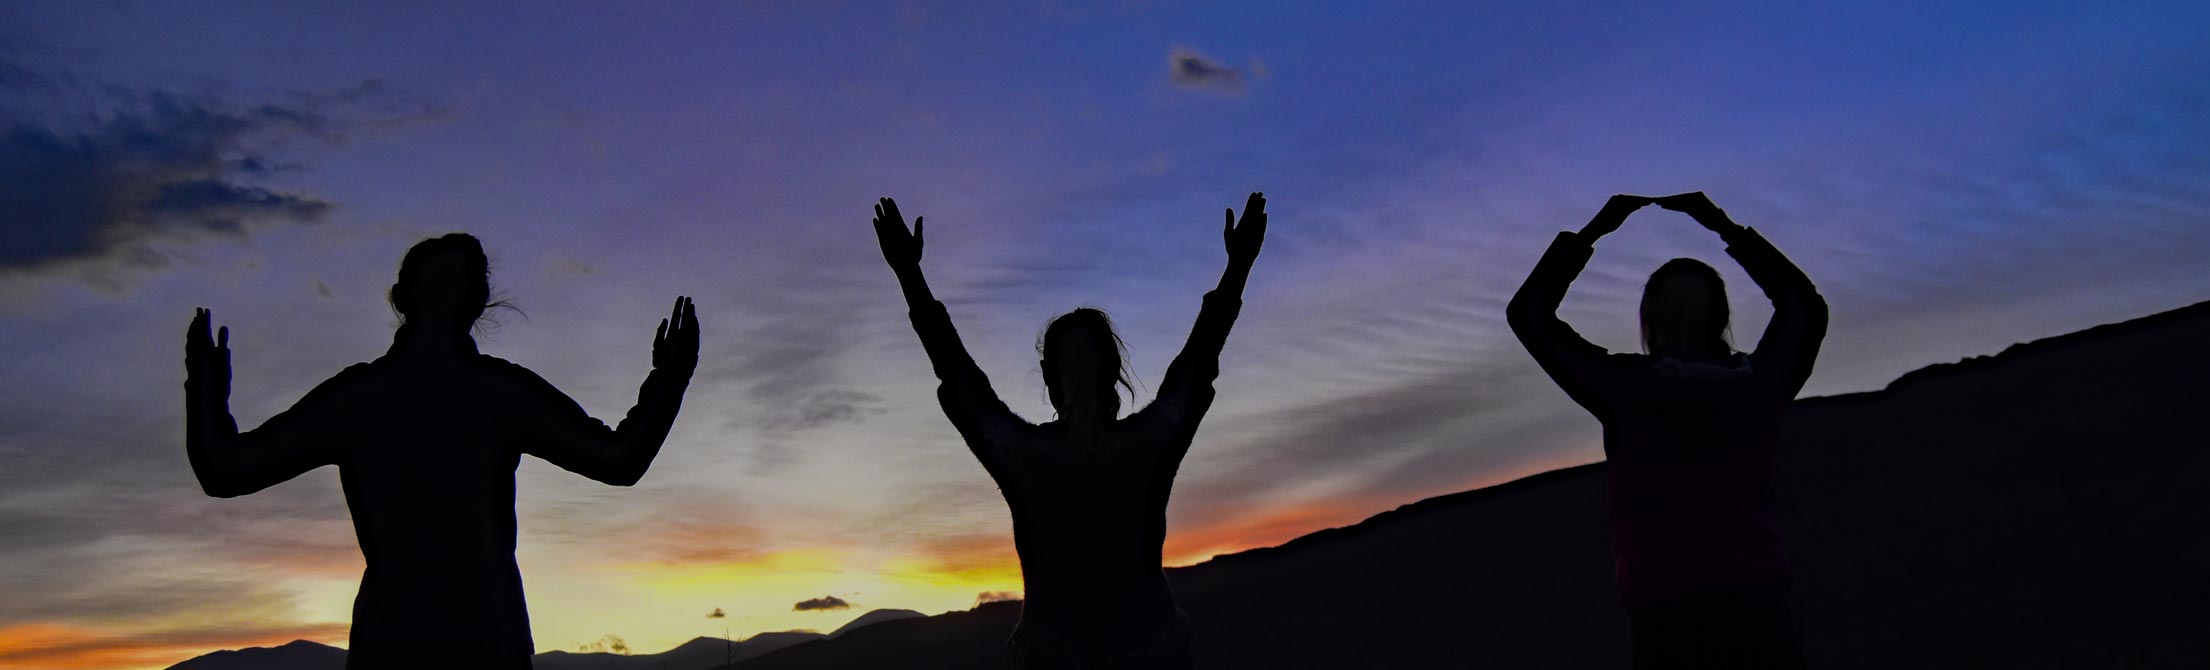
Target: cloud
column 1192, row 70
column 826, row 408
column 821, row 604
column 609, row 644
column 987, row 597
column 160, row 166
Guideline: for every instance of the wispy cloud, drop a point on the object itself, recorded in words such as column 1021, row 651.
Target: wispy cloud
column 160, row 166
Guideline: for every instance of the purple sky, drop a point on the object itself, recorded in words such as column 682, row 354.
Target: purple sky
column 1955, row 179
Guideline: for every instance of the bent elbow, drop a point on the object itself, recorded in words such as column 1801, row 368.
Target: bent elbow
column 1522, row 314
column 1814, row 307
column 624, row 476
column 220, row 489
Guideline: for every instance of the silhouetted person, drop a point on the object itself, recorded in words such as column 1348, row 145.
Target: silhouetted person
column 1088, row 490
column 426, row 439
column 1690, row 431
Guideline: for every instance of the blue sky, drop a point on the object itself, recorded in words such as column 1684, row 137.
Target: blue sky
column 1955, row 178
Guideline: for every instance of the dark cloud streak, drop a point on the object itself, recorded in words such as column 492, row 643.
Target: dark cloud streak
column 823, row 603
column 160, row 166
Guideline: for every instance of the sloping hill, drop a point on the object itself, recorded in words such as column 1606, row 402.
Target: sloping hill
column 294, row 655
column 698, row 653
column 2048, row 507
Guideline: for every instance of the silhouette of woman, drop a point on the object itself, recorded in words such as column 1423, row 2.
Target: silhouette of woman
column 426, row 439
column 1088, row 490
column 1690, row 431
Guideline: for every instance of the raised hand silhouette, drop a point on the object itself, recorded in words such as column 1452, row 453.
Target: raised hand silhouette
column 899, row 248
column 1699, row 207
column 208, row 358
column 1244, row 240
column 1613, row 214
column 675, row 346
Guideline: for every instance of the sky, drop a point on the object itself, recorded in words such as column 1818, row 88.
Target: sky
column 1956, row 178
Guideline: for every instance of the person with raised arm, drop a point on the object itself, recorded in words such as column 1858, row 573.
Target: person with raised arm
column 426, row 439
column 1088, row 490
column 1691, row 428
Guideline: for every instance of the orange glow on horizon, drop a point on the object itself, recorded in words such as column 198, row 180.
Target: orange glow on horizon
column 40, row 646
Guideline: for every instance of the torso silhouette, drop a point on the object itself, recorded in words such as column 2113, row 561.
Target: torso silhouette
column 1089, row 510
column 426, row 444
column 1690, row 445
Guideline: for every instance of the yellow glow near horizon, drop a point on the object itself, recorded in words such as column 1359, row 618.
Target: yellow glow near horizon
column 654, row 606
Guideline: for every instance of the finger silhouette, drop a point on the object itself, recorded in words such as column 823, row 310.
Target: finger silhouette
column 195, row 335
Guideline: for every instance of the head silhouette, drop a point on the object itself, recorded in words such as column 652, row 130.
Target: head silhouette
column 1684, row 312
column 444, row 284
column 1083, row 359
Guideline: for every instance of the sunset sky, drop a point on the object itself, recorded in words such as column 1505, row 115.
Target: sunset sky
column 1954, row 178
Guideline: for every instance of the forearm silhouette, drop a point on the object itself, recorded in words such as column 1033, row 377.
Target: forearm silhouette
column 1198, row 364
column 962, row 389
column 568, row 437
column 229, row 463
column 1572, row 361
column 1791, row 340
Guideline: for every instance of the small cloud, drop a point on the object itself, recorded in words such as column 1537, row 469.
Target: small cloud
column 569, row 267
column 826, row 408
column 718, row 614
column 610, row 644
column 1192, row 70
column 821, row 604
column 987, row 597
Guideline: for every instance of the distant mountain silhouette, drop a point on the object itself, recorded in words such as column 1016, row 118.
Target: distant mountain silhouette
column 2048, row 507
column 294, row 655
column 874, row 617
column 700, row 653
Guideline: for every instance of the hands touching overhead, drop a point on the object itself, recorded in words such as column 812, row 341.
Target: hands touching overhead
column 1698, row 206
column 1694, row 203
column 675, row 346
column 1615, row 212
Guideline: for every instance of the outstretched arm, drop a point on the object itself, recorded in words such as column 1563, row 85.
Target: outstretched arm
column 1571, row 361
column 962, row 387
column 1791, row 341
column 229, row 463
column 563, row 434
column 1190, row 376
